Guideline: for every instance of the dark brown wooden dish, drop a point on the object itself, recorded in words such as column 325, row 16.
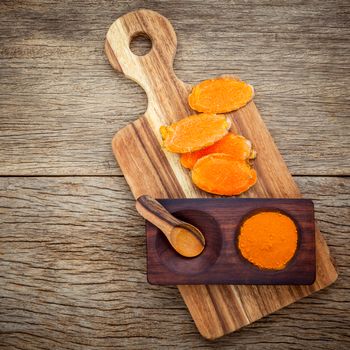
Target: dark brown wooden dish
column 219, row 220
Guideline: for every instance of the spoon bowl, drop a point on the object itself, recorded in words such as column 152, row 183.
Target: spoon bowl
column 185, row 238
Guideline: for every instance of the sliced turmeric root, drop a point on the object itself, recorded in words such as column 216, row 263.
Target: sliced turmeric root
column 235, row 145
column 220, row 95
column 221, row 174
column 253, row 179
column 194, row 132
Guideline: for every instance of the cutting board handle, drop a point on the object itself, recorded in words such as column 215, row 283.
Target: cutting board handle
column 154, row 70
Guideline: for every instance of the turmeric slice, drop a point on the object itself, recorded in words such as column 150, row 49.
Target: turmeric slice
column 222, row 174
column 235, row 145
column 268, row 240
column 194, row 132
column 254, row 178
column 220, row 95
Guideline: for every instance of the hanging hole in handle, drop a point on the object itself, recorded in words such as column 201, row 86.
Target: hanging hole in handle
column 140, row 44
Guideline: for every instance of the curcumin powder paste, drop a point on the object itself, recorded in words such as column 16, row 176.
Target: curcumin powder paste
column 268, row 240
column 185, row 242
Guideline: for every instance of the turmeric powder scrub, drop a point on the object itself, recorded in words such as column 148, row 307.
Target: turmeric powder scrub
column 268, row 240
column 185, row 242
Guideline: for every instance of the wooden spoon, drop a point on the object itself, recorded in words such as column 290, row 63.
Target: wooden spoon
column 186, row 239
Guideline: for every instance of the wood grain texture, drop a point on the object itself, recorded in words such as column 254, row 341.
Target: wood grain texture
column 57, row 118
column 73, row 274
column 72, row 254
column 217, row 310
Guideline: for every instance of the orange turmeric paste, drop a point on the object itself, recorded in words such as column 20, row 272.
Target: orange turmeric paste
column 185, row 242
column 268, row 240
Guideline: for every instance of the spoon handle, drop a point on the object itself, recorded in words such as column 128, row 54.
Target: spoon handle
column 154, row 212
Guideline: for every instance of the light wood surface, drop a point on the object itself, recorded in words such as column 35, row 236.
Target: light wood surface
column 73, row 274
column 69, row 232
column 216, row 310
column 294, row 54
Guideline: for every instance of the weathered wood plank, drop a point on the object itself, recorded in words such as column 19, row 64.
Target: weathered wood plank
column 70, row 277
column 61, row 102
column 73, row 264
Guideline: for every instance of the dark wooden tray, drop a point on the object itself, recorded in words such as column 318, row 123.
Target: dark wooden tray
column 219, row 220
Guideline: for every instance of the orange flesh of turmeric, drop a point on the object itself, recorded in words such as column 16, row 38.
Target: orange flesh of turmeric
column 268, row 240
column 235, row 145
column 220, row 173
column 194, row 132
column 254, row 177
column 220, row 95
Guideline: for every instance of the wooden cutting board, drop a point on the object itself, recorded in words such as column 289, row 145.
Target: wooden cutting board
column 216, row 309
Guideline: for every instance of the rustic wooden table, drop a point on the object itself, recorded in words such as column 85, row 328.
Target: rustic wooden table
column 72, row 247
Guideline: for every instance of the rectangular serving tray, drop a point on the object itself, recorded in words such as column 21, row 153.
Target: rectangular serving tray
column 219, row 220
